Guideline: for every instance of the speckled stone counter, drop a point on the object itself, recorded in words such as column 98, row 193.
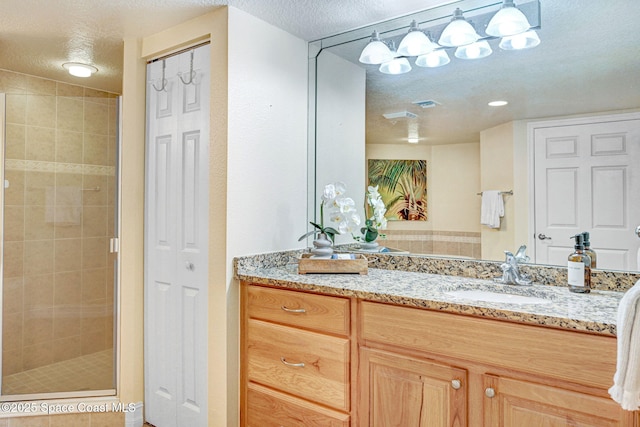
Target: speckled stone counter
column 594, row 312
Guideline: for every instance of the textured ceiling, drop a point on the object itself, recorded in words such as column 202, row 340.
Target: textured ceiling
column 588, row 61
column 38, row 36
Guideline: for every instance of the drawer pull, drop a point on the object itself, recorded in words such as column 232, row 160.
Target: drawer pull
column 455, row 384
column 293, row 310
column 293, row 365
column 489, row 392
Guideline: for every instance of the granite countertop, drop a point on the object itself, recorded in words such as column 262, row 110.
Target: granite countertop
column 594, row 312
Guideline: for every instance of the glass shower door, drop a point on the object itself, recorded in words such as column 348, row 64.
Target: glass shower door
column 59, row 204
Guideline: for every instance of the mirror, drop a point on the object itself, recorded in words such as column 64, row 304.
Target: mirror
column 586, row 65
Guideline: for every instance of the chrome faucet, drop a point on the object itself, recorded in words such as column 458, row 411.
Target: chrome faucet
column 510, row 272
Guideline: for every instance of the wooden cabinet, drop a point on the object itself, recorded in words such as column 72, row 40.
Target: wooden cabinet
column 296, row 359
column 512, row 402
column 314, row 360
column 517, row 375
column 398, row 390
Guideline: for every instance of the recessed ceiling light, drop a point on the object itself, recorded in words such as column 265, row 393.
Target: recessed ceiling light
column 413, row 140
column 79, row 70
column 498, row 103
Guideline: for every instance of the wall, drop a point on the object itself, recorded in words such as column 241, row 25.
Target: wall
column 497, row 167
column 58, row 276
column 258, row 179
column 453, row 208
column 340, row 137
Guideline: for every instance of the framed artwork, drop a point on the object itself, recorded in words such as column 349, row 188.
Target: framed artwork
column 403, row 187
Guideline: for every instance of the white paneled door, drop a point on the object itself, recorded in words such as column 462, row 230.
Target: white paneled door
column 176, row 238
column 587, row 178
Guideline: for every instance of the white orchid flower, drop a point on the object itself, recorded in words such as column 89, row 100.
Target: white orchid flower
column 329, row 194
column 340, row 188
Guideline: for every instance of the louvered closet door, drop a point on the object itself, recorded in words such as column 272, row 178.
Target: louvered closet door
column 176, row 237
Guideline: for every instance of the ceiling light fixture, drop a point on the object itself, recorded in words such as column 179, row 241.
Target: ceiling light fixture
column 79, row 70
column 396, row 66
column 508, row 21
column 497, row 103
column 437, row 58
column 459, row 32
column 477, row 50
column 376, row 52
column 415, row 42
column 520, row 41
column 413, row 140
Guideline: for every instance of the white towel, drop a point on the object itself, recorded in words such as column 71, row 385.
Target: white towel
column 492, row 208
column 63, row 205
column 626, row 381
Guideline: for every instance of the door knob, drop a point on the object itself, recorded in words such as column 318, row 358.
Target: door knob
column 543, row 237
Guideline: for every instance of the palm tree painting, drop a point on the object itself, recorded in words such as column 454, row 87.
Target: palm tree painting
column 403, row 187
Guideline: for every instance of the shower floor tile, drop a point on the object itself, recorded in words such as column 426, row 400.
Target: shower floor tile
column 90, row 372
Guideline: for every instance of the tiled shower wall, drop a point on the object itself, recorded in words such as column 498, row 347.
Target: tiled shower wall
column 449, row 243
column 59, row 215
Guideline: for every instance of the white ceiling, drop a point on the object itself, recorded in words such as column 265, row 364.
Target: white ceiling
column 38, row 36
column 588, row 62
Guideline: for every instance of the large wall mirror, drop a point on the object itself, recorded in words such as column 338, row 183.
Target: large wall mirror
column 586, row 69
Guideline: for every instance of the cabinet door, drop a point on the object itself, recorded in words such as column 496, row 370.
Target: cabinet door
column 516, row 403
column 402, row 391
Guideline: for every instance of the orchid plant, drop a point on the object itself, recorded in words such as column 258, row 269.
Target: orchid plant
column 341, row 211
column 377, row 221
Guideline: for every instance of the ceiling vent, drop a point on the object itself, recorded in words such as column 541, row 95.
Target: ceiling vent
column 429, row 103
column 400, row 115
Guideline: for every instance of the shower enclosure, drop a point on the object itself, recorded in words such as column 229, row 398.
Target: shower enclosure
column 59, row 205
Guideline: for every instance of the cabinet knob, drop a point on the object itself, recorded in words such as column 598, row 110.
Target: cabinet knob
column 456, row 384
column 189, row 266
column 489, row 392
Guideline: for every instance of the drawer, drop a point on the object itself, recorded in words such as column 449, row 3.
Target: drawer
column 533, row 349
column 309, row 311
column 307, row 364
column 268, row 408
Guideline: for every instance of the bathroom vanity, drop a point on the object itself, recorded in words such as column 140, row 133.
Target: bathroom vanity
column 401, row 348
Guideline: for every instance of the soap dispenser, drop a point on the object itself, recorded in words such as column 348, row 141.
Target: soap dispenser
column 588, row 250
column 579, row 268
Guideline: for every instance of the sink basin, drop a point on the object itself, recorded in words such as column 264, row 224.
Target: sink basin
column 488, row 296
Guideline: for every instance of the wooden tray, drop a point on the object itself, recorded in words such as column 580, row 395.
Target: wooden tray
column 338, row 266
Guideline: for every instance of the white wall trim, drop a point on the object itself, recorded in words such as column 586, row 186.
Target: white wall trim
column 135, row 418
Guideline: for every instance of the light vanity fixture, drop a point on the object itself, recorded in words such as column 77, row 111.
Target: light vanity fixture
column 509, row 23
column 79, row 70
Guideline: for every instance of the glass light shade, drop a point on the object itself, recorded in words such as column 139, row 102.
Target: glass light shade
column 415, row 42
column 459, row 32
column 475, row 50
column 376, row 52
column 509, row 20
column 79, row 70
column 396, row 66
column 520, row 41
column 437, row 58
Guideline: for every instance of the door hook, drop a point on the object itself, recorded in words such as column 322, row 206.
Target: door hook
column 192, row 73
column 164, row 81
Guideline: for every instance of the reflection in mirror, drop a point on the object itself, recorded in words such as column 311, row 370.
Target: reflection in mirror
column 584, row 70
